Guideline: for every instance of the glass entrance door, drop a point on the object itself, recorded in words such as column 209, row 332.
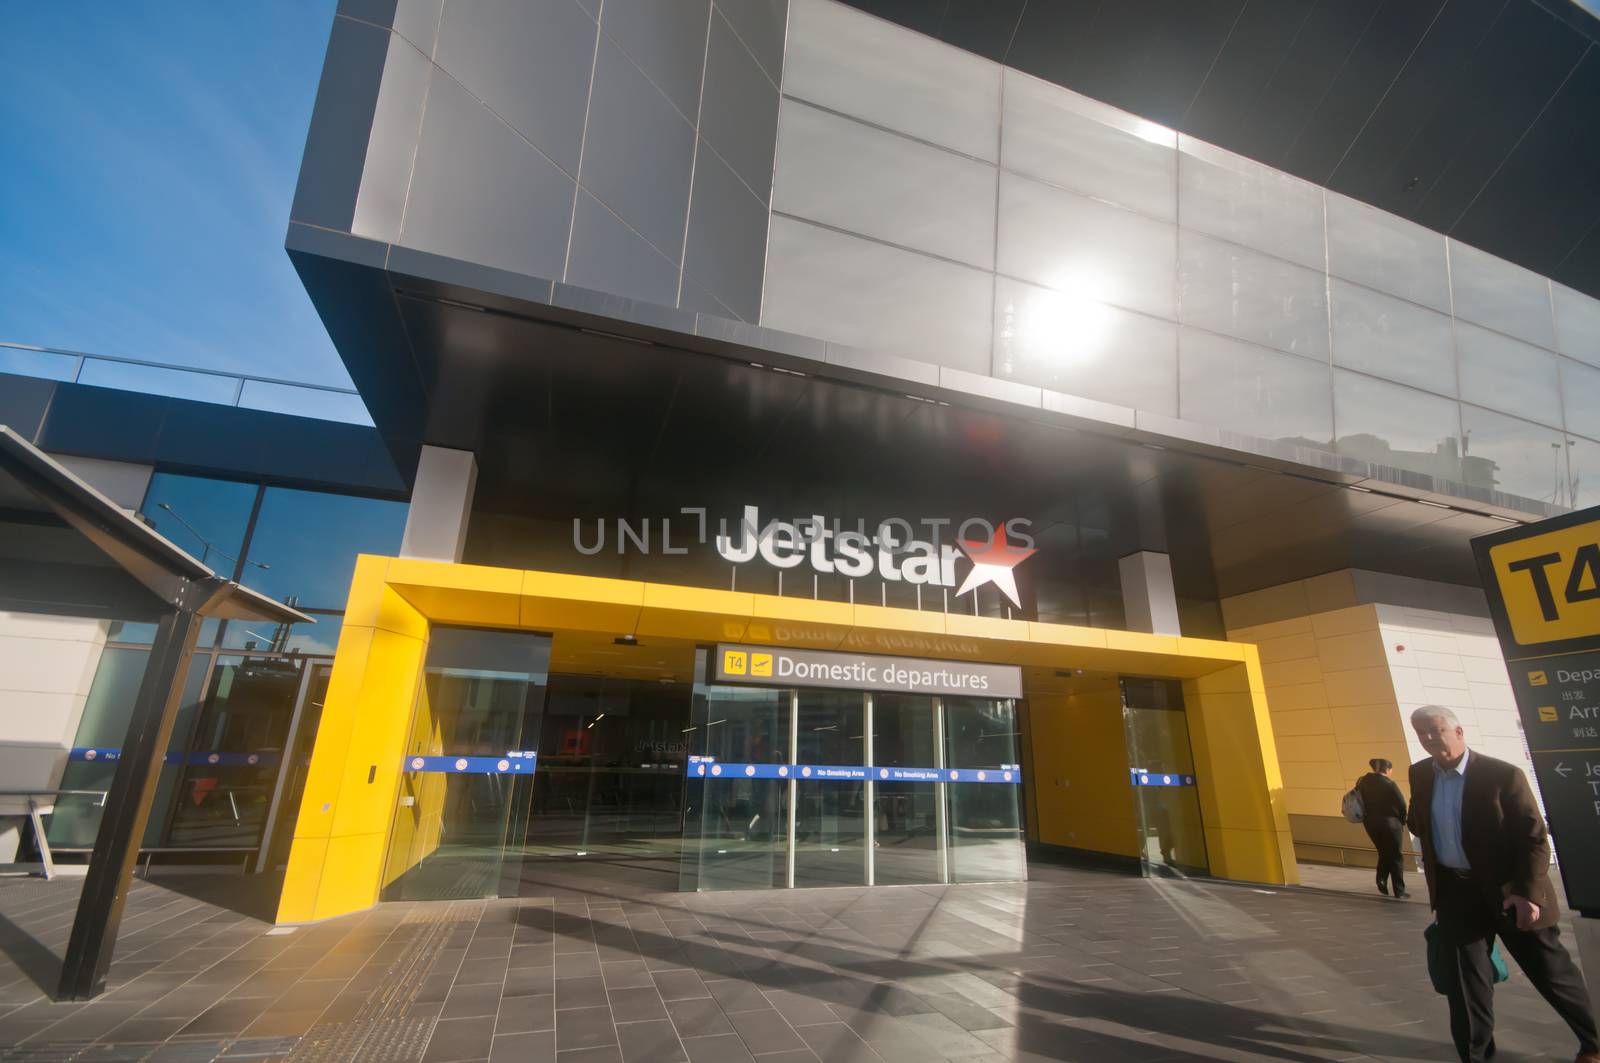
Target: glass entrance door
column 483, row 692
column 1172, row 840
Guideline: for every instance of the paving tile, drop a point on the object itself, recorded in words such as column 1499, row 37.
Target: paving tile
column 584, row 1028
column 654, row 1041
column 726, row 1048
column 636, row 1005
column 698, row 1017
column 526, row 1014
column 580, row 993
column 530, row 1047
column 680, row 985
column 454, row 1040
column 765, row 1031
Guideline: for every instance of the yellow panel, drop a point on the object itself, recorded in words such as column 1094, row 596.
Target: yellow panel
column 1328, row 773
column 1360, row 686
column 800, row 622
column 1345, row 621
column 1302, row 724
column 1211, row 649
column 1572, row 614
column 366, row 591
column 297, row 902
column 389, row 696
column 1359, row 649
column 351, row 874
column 695, row 613
column 1368, row 723
column 1291, row 672
column 339, row 713
column 1141, row 642
column 1304, row 696
column 1301, row 801
column 1058, row 645
column 474, row 595
column 1256, row 856
column 993, row 639
column 1304, row 749
column 552, row 600
column 1285, row 648
column 1079, row 781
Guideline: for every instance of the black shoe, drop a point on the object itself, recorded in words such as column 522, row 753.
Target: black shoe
column 1403, row 895
column 1383, row 888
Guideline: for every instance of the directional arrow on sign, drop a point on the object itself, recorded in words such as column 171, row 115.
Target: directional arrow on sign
column 1562, row 770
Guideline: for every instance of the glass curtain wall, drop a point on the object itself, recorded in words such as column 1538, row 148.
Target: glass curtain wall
column 799, row 788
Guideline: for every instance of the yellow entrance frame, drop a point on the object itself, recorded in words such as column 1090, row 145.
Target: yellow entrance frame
column 336, row 864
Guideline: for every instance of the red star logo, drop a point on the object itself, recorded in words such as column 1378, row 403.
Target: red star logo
column 993, row 562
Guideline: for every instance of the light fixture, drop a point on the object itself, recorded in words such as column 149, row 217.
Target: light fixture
column 625, row 640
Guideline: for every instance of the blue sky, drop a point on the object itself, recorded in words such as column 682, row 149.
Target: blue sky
column 150, row 155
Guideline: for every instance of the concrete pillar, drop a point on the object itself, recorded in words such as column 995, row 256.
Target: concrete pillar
column 441, row 501
column 1149, row 602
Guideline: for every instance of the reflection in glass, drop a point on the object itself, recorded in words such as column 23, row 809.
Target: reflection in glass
column 985, row 819
column 1391, row 338
column 1254, row 391
column 207, row 518
column 1250, row 296
column 1504, row 454
column 610, row 779
column 103, row 725
column 1577, row 324
column 830, row 815
column 297, row 766
column 482, row 691
column 736, row 829
column 219, row 803
column 906, row 831
column 342, row 526
column 1491, row 291
column 1172, row 840
column 1243, row 201
column 1387, row 253
column 1395, row 426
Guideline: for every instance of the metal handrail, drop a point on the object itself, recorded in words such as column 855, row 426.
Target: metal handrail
column 239, row 379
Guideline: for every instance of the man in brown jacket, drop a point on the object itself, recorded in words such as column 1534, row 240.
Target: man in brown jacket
column 1486, row 856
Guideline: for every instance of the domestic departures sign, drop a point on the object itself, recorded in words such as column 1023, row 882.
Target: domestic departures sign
column 1543, row 584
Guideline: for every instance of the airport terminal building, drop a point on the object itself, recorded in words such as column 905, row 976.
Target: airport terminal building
column 809, row 452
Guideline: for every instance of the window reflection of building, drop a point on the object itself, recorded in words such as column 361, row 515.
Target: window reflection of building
column 246, row 681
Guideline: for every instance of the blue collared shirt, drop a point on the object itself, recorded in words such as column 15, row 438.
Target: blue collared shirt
column 1449, row 784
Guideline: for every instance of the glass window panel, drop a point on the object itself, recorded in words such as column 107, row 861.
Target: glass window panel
column 483, row 692
column 1392, row 338
column 46, row 364
column 1227, row 289
column 1395, row 426
column 903, row 732
column 736, row 829
column 304, row 402
column 160, row 380
column 1089, row 249
column 305, row 543
column 1491, row 291
column 1172, row 835
column 865, row 294
column 103, row 725
column 856, row 64
column 830, row 815
column 1506, row 375
column 1253, row 391
column 1577, row 324
column 320, row 638
column 246, row 711
column 1518, row 458
column 1583, row 472
column 838, row 171
column 830, row 729
column 906, row 831
column 1241, row 200
column 1059, row 136
column 1064, row 342
column 207, row 518
column 1580, row 396
column 1388, row 253
column 985, row 819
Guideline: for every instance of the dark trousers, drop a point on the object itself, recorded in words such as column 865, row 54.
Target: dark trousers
column 1387, row 834
column 1469, row 918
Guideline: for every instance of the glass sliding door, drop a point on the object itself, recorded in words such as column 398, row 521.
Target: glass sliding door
column 1172, row 841
column 908, row 842
column 985, row 817
column 830, row 814
column 737, row 823
column 483, row 692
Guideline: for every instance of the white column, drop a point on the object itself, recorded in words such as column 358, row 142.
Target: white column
column 441, row 501
column 1148, row 601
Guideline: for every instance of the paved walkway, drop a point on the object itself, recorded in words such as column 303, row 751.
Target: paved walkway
column 1071, row 966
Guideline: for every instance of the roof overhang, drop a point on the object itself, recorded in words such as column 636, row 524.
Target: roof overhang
column 69, row 550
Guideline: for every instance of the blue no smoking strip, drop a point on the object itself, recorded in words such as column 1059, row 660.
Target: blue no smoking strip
column 1152, row 778
column 707, row 768
column 508, row 764
column 93, row 754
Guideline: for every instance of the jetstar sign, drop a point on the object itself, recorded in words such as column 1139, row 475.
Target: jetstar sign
column 892, row 552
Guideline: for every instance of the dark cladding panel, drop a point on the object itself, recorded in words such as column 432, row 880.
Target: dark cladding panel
column 667, row 40
column 638, row 151
column 727, row 246
column 608, row 256
column 482, row 193
column 415, row 20
column 739, row 117
column 24, row 401
column 762, row 25
column 336, row 144
column 527, row 60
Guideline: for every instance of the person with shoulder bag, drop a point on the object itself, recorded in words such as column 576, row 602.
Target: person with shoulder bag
column 1383, row 809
